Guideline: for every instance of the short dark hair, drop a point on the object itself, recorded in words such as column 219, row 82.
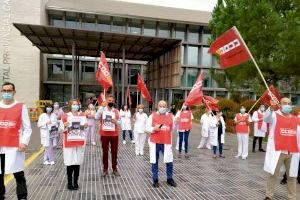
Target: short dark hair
column 47, row 106
column 124, row 106
column 9, row 83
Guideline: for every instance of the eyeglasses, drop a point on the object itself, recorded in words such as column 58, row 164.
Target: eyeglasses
column 7, row 91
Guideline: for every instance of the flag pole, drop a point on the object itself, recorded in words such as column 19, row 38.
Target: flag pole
column 137, row 98
column 254, row 104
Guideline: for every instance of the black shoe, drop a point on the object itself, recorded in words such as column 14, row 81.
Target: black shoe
column 171, row 182
column 116, row 173
column 155, row 184
column 75, row 186
column 283, row 182
column 267, row 198
column 262, row 150
column 298, row 181
column 253, row 150
column 70, row 187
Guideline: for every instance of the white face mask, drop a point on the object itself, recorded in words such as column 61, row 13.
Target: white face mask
column 243, row 110
column 56, row 106
column 162, row 110
column 183, row 107
column 140, row 110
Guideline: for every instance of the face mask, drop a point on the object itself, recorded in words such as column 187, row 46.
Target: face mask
column 48, row 110
column 286, row 109
column 243, row 110
column 56, row 106
column 140, row 110
column 91, row 107
column 75, row 108
column 162, row 110
column 7, row 96
column 262, row 109
column 110, row 105
column 184, row 108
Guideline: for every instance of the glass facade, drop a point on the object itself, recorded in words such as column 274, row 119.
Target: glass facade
column 193, row 34
column 192, row 58
column 192, row 75
column 149, row 28
column 164, row 29
column 135, row 26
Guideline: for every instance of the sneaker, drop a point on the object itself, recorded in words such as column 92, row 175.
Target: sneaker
column 116, row 173
column 137, row 154
column 132, row 142
column 214, row 156
column 124, row 141
column 52, row 163
column 179, row 155
column 75, row 186
column 46, row 162
column 94, row 143
column 104, row 173
column 199, row 147
column 262, row 150
column 237, row 156
column 171, row 182
column 155, row 184
column 244, row 158
column 267, row 198
column 141, row 153
column 221, row 156
column 253, row 151
column 186, row 156
column 283, row 182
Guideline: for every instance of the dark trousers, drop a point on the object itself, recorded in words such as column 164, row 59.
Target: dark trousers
column 113, row 141
column 220, row 145
column 259, row 142
column 169, row 166
column 73, row 174
column 184, row 136
column 20, row 180
column 124, row 134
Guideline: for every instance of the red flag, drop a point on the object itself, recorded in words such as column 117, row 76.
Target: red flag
column 196, row 94
column 272, row 94
column 103, row 74
column 231, row 49
column 143, row 89
column 211, row 103
column 100, row 98
column 129, row 96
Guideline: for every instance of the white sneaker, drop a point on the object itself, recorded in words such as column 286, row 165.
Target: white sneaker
column 124, row 141
column 237, row 156
column 94, row 143
column 52, row 163
column 137, row 154
column 244, row 158
column 198, row 147
column 46, row 162
column 132, row 141
column 141, row 153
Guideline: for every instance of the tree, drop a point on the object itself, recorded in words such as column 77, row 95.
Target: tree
column 271, row 30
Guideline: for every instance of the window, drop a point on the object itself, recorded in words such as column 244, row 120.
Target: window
column 72, row 20
column 134, row 26
column 88, row 66
column 149, row 28
column 133, row 71
column 206, row 57
column 56, row 18
column 180, row 31
column 183, row 77
column 55, row 69
column 164, row 29
column 206, row 79
column 192, row 55
column 89, row 22
column 103, row 23
column 206, row 36
column 221, row 94
column 182, row 55
column 193, row 35
column 192, row 75
column 118, row 25
column 68, row 70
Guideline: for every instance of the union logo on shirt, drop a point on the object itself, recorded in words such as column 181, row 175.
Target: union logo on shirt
column 7, row 124
column 287, row 132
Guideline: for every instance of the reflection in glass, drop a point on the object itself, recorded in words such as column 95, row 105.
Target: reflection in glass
column 89, row 22
column 192, row 75
column 103, row 23
column 183, row 77
column 134, row 26
column 164, row 29
column 206, row 57
column 56, row 18
column 192, row 55
column 193, row 35
column 72, row 20
column 118, row 25
column 149, row 28
column 180, row 31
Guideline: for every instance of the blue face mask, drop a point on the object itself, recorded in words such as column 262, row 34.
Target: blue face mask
column 286, row 109
column 7, row 96
column 48, row 110
column 243, row 110
column 75, row 108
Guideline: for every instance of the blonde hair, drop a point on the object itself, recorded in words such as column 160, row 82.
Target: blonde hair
column 140, row 106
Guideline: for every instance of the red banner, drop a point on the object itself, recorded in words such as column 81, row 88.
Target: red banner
column 100, row 98
column 196, row 94
column 143, row 89
column 211, row 103
column 230, row 48
column 103, row 74
column 272, row 94
column 129, row 97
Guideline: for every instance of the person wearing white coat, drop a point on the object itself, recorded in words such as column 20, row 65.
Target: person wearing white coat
column 140, row 120
column 13, row 155
column 217, row 128
column 125, row 115
column 49, row 130
column 73, row 151
column 259, row 130
column 160, row 125
column 204, row 122
column 281, row 120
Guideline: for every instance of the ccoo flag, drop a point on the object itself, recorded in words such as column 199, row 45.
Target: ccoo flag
column 129, row 97
column 103, row 74
column 211, row 103
column 231, row 48
column 144, row 91
column 196, row 94
column 273, row 94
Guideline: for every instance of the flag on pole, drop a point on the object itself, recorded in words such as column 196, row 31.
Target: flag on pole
column 103, row 73
column 211, row 103
column 129, row 97
column 101, row 98
column 273, row 94
column 196, row 94
column 143, row 89
column 231, row 49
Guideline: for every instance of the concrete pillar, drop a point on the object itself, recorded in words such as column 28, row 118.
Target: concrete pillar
column 123, row 73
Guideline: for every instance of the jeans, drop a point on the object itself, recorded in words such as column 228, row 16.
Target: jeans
column 259, row 142
column 220, row 145
column 184, row 136
column 169, row 166
column 124, row 134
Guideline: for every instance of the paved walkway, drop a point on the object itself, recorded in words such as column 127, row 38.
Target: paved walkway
column 200, row 177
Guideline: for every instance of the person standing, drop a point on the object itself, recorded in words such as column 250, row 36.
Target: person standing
column 58, row 112
column 73, row 123
column 184, row 120
column 282, row 147
column 204, row 122
column 160, row 125
column 49, row 130
column 140, row 119
column 90, row 115
column 242, row 121
column 108, row 130
column 125, row 115
column 259, row 131
column 217, row 133
column 14, row 139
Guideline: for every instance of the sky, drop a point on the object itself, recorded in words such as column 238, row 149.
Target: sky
column 204, row 5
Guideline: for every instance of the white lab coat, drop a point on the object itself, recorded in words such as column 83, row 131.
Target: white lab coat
column 140, row 123
column 73, row 155
column 125, row 120
column 258, row 132
column 14, row 159
column 168, row 154
column 213, row 130
column 44, row 128
column 204, row 121
column 272, row 156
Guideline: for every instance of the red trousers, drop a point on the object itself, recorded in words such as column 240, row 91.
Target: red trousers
column 113, row 140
